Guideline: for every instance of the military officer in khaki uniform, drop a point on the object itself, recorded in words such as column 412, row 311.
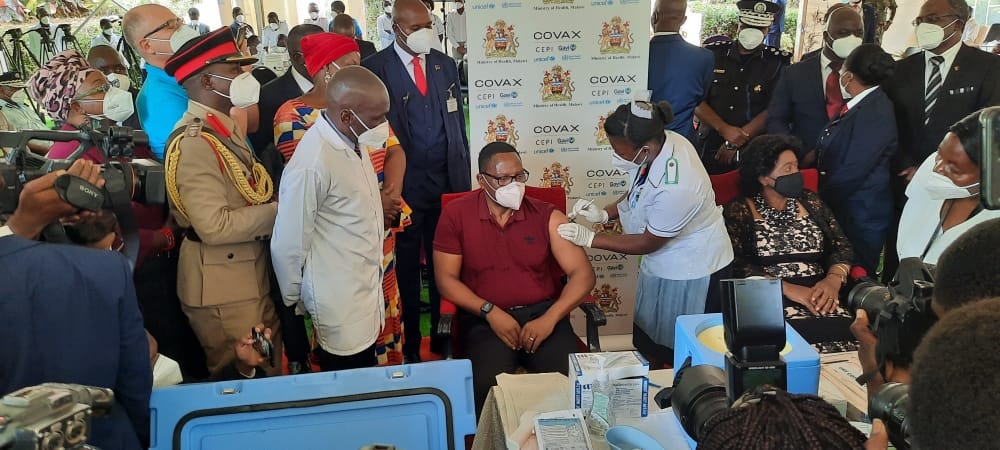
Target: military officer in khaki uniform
column 223, row 197
column 746, row 72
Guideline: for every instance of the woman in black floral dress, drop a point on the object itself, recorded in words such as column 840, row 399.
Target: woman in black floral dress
column 780, row 230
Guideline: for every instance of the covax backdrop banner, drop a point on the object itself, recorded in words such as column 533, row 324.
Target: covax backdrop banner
column 543, row 76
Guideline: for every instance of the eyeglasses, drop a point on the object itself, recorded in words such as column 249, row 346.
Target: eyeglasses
column 102, row 88
column 932, row 19
column 176, row 22
column 503, row 181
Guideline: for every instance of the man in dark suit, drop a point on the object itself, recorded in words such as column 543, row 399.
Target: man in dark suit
column 295, row 82
column 426, row 113
column 679, row 72
column 808, row 93
column 71, row 316
column 344, row 25
column 934, row 89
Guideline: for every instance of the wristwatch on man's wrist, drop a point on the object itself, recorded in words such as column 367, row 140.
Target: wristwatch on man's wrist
column 485, row 309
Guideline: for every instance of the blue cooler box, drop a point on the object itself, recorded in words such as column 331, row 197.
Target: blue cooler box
column 414, row 406
column 802, row 361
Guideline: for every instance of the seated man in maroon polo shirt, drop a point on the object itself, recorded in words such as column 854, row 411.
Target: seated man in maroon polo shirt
column 498, row 257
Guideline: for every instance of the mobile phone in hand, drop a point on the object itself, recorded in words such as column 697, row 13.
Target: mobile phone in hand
column 263, row 346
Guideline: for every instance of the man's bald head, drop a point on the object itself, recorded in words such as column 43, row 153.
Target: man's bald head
column 343, row 24
column 669, row 15
column 106, row 59
column 141, row 21
column 410, row 11
column 356, row 89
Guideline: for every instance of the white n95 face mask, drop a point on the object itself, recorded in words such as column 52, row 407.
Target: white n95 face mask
column 420, row 41
column 940, row 187
column 750, row 38
column 116, row 105
column 844, row 46
column 314, row 15
column 930, row 36
column 511, row 195
column 373, row 138
column 244, row 90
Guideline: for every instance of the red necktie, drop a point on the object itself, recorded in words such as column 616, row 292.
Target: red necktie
column 834, row 99
column 843, row 111
column 418, row 76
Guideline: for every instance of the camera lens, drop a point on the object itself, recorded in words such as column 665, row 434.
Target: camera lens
column 889, row 404
column 869, row 296
column 700, row 395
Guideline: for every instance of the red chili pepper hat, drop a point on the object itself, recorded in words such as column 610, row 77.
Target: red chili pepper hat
column 200, row 52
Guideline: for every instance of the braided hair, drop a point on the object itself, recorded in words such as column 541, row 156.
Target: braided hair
column 781, row 421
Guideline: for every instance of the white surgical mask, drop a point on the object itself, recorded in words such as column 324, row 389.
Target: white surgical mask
column 313, row 15
column 420, row 41
column 843, row 89
column 244, row 90
column 388, row 10
column 930, row 36
column 107, row 32
column 241, row 18
column 844, row 46
column 273, row 26
column 119, row 81
column 625, row 165
column 44, row 20
column 373, row 138
column 750, row 38
column 940, row 187
column 116, row 106
column 166, row 372
column 511, row 195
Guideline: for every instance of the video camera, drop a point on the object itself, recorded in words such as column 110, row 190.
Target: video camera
column 126, row 179
column 51, row 416
column 142, row 180
column 754, row 324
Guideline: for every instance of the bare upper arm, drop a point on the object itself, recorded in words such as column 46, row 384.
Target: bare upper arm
column 447, row 265
column 571, row 257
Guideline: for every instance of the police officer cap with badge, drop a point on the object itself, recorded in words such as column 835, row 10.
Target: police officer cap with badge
column 745, row 74
column 222, row 197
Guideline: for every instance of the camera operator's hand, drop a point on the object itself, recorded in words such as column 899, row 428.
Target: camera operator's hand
column 878, row 439
column 40, row 205
column 247, row 358
column 867, row 342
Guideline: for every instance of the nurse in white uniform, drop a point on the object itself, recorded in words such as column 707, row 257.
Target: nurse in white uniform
column 669, row 215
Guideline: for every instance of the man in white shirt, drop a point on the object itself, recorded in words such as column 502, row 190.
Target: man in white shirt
column 384, row 23
column 269, row 35
column 455, row 30
column 314, row 18
column 108, row 36
column 327, row 240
